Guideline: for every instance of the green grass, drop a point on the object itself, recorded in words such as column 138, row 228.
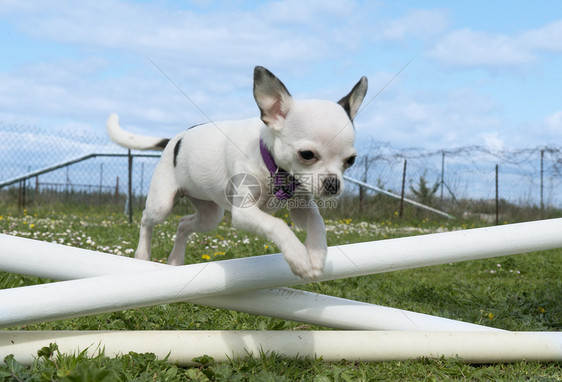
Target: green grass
column 521, row 292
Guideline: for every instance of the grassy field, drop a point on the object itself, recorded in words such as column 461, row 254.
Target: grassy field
column 521, row 292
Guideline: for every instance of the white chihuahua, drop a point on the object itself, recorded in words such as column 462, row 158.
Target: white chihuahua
column 296, row 151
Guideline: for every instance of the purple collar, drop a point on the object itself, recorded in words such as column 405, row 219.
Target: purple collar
column 284, row 185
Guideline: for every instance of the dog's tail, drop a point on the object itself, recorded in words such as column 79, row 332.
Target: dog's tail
column 132, row 141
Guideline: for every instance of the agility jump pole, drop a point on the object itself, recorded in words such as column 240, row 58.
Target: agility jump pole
column 393, row 195
column 159, row 286
column 61, row 262
column 332, row 346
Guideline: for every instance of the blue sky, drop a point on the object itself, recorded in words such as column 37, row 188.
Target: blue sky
column 483, row 73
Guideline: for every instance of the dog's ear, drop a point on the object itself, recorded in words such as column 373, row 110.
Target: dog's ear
column 272, row 97
column 353, row 100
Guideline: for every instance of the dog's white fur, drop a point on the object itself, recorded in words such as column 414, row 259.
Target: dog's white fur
column 200, row 166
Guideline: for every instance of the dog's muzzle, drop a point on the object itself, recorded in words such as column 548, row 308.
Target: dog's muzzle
column 331, row 186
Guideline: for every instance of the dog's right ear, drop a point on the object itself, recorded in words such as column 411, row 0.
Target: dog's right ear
column 272, row 97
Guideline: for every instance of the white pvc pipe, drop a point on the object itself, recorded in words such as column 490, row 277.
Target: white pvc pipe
column 332, row 346
column 392, row 195
column 60, row 262
column 334, row 312
column 118, row 292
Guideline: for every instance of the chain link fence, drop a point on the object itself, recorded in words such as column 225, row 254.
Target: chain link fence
column 465, row 181
column 74, row 172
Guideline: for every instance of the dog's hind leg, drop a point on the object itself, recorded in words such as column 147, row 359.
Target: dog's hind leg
column 206, row 218
column 159, row 202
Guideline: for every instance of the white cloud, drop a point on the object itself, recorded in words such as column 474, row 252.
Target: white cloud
column 62, row 94
column 281, row 32
column 547, row 38
column 553, row 124
column 209, row 55
column 493, row 142
column 468, row 48
column 291, row 12
column 473, row 48
column 416, row 23
column 431, row 120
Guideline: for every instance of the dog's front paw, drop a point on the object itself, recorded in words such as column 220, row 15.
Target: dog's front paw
column 317, row 261
column 305, row 272
column 297, row 258
column 303, row 269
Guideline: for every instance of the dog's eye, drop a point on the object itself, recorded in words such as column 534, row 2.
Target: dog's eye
column 350, row 161
column 306, row 155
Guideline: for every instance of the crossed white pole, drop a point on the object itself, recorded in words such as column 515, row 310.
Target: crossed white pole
column 98, row 282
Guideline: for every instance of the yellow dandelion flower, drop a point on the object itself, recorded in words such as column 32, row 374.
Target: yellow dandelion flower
column 206, row 257
column 491, row 316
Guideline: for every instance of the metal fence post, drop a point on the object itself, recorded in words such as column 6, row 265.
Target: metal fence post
column 362, row 189
column 141, row 185
column 497, row 199
column 403, row 186
column 542, row 184
column 130, row 190
column 20, row 195
column 442, row 173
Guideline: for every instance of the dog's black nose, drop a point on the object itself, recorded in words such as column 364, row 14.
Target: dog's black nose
column 331, row 185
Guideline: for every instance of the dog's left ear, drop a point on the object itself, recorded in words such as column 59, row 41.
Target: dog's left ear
column 353, row 100
column 272, row 97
